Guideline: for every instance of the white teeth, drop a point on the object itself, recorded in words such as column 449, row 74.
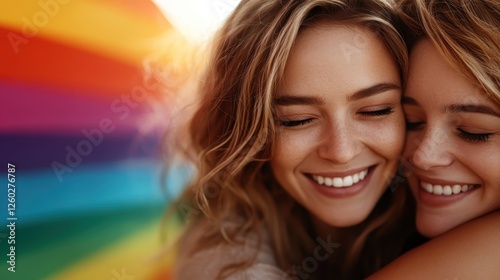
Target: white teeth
column 355, row 178
column 341, row 182
column 362, row 174
column 338, row 182
column 437, row 189
column 446, row 189
column 427, row 187
column 328, row 182
column 347, row 181
column 321, row 179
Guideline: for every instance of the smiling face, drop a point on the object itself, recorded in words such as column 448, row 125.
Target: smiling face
column 341, row 123
column 453, row 144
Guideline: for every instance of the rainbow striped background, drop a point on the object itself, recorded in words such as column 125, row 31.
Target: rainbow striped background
column 83, row 128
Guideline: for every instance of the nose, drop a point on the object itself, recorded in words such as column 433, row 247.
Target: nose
column 431, row 151
column 340, row 144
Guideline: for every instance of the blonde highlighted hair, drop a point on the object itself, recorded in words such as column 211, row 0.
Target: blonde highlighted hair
column 229, row 138
column 465, row 32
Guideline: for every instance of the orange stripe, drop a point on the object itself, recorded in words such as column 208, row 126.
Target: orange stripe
column 95, row 25
column 143, row 8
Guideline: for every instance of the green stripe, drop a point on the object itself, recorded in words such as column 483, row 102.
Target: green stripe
column 47, row 248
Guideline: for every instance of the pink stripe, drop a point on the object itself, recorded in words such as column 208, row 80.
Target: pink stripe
column 41, row 110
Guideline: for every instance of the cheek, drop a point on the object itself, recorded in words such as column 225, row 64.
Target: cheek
column 485, row 163
column 388, row 138
column 411, row 144
column 291, row 148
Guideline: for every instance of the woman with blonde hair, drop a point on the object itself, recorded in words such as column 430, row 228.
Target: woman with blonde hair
column 295, row 142
column 452, row 107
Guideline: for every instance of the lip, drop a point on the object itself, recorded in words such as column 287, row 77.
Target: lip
column 344, row 192
column 432, row 200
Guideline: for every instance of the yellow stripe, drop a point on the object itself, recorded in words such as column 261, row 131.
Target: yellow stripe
column 94, row 25
column 134, row 257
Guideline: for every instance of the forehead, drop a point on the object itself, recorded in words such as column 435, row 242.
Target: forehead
column 425, row 58
column 434, row 83
column 337, row 57
column 342, row 41
column 432, row 76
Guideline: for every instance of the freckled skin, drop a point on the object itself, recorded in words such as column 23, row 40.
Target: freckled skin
column 332, row 62
column 436, row 149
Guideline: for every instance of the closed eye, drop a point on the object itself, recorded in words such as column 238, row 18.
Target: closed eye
column 295, row 122
column 383, row 112
column 473, row 137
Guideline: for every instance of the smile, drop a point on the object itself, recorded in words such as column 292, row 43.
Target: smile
column 446, row 189
column 341, row 182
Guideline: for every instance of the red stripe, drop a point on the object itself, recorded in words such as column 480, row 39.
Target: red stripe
column 48, row 63
column 164, row 274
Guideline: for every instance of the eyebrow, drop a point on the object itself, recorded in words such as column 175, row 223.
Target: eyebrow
column 471, row 108
column 457, row 108
column 313, row 100
column 376, row 89
column 298, row 100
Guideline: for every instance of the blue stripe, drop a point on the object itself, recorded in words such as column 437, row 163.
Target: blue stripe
column 89, row 188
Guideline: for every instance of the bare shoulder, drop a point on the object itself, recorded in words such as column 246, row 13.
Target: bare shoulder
column 471, row 251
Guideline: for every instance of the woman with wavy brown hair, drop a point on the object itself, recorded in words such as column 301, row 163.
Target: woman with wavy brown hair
column 452, row 107
column 295, row 141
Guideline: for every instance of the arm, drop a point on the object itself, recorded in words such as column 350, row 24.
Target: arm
column 471, row 251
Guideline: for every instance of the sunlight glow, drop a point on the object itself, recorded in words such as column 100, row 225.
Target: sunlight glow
column 197, row 20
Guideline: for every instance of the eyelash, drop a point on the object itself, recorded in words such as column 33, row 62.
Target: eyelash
column 466, row 136
column 473, row 137
column 295, row 123
column 383, row 112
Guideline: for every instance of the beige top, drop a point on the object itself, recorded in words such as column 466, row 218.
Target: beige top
column 206, row 264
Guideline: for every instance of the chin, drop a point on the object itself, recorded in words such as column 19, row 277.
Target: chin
column 431, row 228
column 349, row 221
column 427, row 232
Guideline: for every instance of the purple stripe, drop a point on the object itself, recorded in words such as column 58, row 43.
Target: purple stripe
column 42, row 151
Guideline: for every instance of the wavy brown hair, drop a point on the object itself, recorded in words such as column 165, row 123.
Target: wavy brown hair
column 229, row 138
column 465, row 32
